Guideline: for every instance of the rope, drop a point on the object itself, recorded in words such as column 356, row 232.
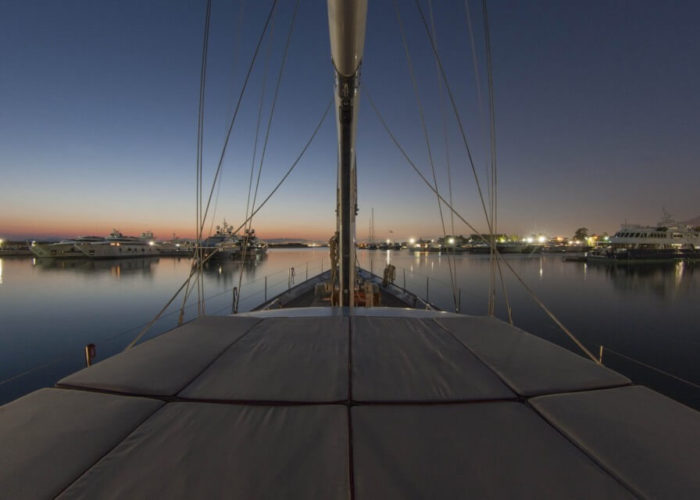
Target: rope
column 470, row 226
column 659, row 370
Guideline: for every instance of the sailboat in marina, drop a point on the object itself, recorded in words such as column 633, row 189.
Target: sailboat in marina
column 345, row 387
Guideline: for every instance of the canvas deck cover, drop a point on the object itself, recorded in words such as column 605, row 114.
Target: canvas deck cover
column 339, row 404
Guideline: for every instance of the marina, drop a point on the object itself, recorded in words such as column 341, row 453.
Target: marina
column 655, row 302
column 344, row 373
column 644, row 311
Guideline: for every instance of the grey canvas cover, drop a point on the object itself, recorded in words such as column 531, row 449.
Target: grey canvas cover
column 227, row 451
column 349, row 406
column 649, row 441
column 281, row 359
column 50, row 437
column 164, row 365
column 528, row 364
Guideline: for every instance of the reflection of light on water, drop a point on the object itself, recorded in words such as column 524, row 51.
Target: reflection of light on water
column 585, row 270
column 680, row 267
column 541, row 268
column 0, row 271
column 388, row 257
column 116, row 271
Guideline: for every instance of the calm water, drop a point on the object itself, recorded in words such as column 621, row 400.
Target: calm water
column 50, row 309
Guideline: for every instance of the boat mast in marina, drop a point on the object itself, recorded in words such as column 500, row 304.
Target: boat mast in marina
column 346, row 21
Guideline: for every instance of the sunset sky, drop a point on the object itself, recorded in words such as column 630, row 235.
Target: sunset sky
column 597, row 107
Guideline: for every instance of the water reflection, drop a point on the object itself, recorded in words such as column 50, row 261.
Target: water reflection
column 227, row 271
column 665, row 280
column 115, row 267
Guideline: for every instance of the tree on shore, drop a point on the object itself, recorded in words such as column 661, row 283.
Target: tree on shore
column 581, row 233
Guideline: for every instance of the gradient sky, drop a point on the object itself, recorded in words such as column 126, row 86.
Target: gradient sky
column 597, row 107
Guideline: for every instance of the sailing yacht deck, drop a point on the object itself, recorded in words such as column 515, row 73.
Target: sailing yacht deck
column 338, row 403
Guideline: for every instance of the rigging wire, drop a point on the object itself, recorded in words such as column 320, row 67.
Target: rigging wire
column 290, row 169
column 258, row 121
column 461, row 130
column 200, row 144
column 443, row 114
column 238, row 106
column 492, row 135
column 482, row 115
column 459, row 122
column 279, row 184
column 267, row 137
column 426, row 136
column 201, row 218
column 470, row 226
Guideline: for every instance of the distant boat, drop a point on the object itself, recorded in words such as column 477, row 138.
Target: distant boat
column 250, row 245
column 222, row 245
column 64, row 249
column 118, row 246
column 667, row 241
column 348, row 400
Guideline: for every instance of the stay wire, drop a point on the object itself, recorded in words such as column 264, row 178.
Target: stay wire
column 238, row 106
column 471, row 227
column 457, row 115
column 458, row 118
column 200, row 144
column 267, row 136
column 492, row 120
column 290, row 169
column 421, row 114
column 443, row 114
column 482, row 115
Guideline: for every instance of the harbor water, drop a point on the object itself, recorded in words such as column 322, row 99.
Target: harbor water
column 644, row 316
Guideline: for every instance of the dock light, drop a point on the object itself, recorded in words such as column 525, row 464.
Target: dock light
column 528, row 240
column 388, row 241
column 541, row 239
column 451, row 241
column 412, row 241
column 151, row 243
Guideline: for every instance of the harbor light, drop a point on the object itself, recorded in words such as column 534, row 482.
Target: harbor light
column 541, row 239
column 451, row 241
column 412, row 241
column 388, row 241
column 151, row 243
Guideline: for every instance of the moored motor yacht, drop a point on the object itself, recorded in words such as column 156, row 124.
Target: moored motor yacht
column 224, row 244
column 64, row 249
column 668, row 240
column 118, row 246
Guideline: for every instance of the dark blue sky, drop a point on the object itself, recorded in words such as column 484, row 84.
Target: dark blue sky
column 596, row 112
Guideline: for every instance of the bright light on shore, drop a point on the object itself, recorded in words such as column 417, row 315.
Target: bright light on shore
column 412, row 241
column 451, row 241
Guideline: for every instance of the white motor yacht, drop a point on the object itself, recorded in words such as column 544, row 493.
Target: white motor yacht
column 118, row 246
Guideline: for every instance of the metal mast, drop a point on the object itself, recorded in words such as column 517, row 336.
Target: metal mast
column 346, row 22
